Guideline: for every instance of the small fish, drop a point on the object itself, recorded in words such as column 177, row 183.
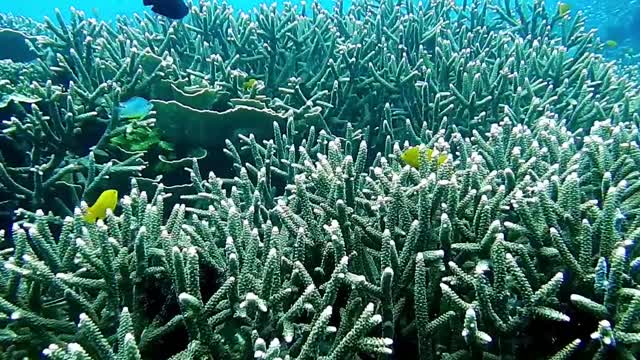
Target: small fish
column 563, row 9
column 249, row 84
column 107, row 200
column 135, row 108
column 411, row 157
column 173, row 9
column 611, row 44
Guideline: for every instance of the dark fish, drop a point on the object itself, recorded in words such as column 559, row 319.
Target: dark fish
column 14, row 46
column 173, row 9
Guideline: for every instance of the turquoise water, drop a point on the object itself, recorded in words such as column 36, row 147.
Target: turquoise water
column 109, row 9
column 104, row 9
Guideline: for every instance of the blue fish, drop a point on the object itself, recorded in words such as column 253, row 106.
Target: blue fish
column 134, row 108
column 173, row 9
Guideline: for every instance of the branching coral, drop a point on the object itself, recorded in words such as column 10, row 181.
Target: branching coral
column 438, row 64
column 382, row 70
column 470, row 248
column 324, row 244
column 57, row 169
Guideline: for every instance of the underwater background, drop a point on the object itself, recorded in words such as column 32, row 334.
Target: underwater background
column 335, row 180
column 617, row 22
column 109, row 9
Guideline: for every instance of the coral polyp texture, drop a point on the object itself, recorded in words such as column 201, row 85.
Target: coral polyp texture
column 315, row 238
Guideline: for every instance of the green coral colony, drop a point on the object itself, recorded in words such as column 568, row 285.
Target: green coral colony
column 316, row 240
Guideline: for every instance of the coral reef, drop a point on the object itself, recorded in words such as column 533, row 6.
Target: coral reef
column 318, row 241
column 508, row 236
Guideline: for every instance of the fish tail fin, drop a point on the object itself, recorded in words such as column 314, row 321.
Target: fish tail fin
column 90, row 217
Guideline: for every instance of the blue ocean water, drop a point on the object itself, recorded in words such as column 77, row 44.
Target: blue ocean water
column 108, row 9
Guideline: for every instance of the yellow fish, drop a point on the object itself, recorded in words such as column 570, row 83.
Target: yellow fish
column 611, row 44
column 249, row 84
column 563, row 9
column 107, row 200
column 411, row 157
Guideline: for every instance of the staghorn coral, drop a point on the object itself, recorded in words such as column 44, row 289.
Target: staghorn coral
column 379, row 69
column 56, row 169
column 440, row 64
column 324, row 244
column 500, row 239
column 22, row 24
column 16, row 82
